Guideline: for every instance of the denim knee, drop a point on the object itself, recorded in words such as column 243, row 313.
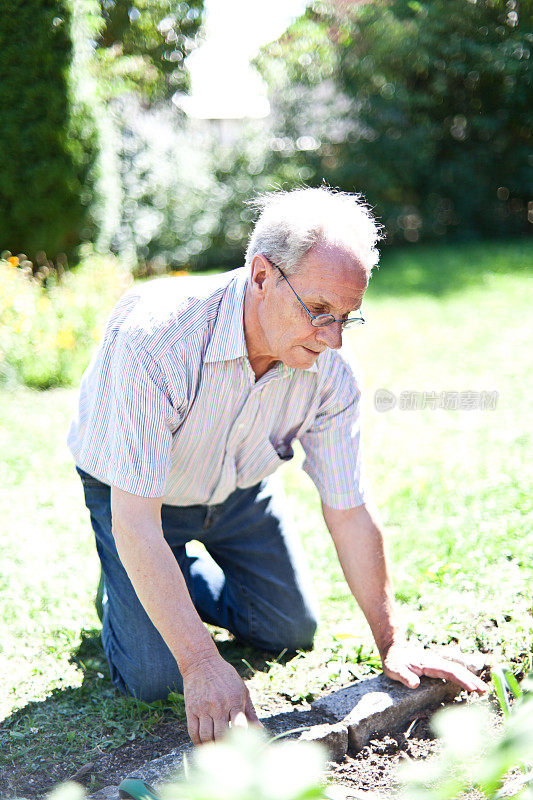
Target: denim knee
column 294, row 633
column 300, row 634
column 149, row 684
column 148, row 673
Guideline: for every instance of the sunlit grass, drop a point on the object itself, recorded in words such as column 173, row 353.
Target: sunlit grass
column 452, row 488
column 49, row 567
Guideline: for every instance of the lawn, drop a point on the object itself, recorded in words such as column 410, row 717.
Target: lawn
column 451, row 484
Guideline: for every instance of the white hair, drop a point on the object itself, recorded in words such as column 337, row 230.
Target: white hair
column 292, row 223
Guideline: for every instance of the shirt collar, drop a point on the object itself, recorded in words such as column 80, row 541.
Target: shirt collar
column 285, row 370
column 227, row 339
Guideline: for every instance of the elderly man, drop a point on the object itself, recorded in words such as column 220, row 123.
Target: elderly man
column 193, row 398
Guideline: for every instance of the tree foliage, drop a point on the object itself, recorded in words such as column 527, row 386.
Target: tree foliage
column 63, row 63
column 426, row 107
column 47, row 137
column 142, row 45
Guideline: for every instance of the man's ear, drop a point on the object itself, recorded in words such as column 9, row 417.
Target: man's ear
column 259, row 271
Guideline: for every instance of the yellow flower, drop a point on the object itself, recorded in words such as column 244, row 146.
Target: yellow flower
column 13, row 261
column 22, row 325
column 65, row 339
column 43, row 304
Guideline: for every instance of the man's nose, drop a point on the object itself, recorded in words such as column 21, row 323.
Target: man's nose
column 331, row 335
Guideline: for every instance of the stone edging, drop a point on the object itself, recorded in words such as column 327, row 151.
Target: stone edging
column 349, row 718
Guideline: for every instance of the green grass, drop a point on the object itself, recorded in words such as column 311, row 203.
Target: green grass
column 452, row 488
column 50, row 732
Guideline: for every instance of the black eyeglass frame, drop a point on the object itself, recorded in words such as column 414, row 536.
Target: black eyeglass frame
column 329, row 318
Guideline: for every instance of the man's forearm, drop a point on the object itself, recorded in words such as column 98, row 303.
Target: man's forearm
column 361, row 551
column 360, row 547
column 161, row 588
column 214, row 693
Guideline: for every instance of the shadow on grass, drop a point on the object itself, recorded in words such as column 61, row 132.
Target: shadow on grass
column 247, row 660
column 439, row 270
column 46, row 742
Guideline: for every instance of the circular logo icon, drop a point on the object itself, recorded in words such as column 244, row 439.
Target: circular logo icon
column 384, row 400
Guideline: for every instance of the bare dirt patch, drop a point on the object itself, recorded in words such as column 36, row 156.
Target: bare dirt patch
column 373, row 768
column 107, row 768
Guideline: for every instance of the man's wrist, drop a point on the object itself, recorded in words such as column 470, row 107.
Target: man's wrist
column 195, row 658
column 385, row 644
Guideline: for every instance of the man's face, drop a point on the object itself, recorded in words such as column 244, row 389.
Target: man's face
column 330, row 280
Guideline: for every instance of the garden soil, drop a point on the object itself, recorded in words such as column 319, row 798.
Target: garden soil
column 372, row 769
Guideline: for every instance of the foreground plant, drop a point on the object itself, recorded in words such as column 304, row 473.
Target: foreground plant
column 245, row 766
column 474, row 756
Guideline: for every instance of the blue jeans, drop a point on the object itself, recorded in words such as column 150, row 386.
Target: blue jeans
column 253, row 581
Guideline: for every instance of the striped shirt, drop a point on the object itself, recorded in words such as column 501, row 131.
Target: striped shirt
column 169, row 406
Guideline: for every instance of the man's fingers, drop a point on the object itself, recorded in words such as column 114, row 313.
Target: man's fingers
column 407, row 665
column 404, row 675
column 220, row 728
column 462, row 676
column 450, row 671
column 409, row 679
column 206, row 729
column 437, row 667
column 241, row 719
column 481, row 686
column 214, row 729
column 250, row 712
column 193, row 727
column 238, row 718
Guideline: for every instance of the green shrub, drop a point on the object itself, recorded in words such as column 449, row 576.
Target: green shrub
column 48, row 135
column 48, row 328
column 143, row 44
column 425, row 107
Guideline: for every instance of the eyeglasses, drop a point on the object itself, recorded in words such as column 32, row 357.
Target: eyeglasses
column 321, row 320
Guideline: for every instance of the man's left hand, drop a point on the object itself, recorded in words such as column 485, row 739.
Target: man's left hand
column 406, row 664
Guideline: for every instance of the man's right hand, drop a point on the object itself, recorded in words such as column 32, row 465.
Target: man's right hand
column 215, row 695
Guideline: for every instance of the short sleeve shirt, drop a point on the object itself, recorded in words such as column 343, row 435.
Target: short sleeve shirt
column 169, row 406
